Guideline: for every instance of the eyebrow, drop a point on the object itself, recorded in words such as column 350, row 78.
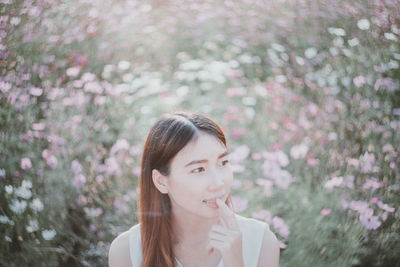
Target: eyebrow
column 204, row 160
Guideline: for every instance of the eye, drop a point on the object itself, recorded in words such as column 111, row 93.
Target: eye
column 225, row 162
column 196, row 170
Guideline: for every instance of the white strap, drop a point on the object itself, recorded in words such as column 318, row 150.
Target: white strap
column 253, row 234
column 135, row 246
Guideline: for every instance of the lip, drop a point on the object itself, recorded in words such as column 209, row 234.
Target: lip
column 214, row 199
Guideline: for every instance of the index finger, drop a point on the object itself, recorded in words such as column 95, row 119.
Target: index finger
column 227, row 215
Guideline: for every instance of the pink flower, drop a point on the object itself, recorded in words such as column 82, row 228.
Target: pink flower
column 231, row 92
column 101, row 234
column 359, row 81
column 358, row 205
column 312, row 161
column 38, row 126
column 312, row 109
column 387, row 148
column 240, row 203
column 352, row 162
column 262, row 215
column 76, row 167
column 256, row 156
column 120, row 145
column 281, row 244
column 367, row 161
column 121, row 205
column 26, row 163
column 97, row 212
column 384, row 216
column 283, row 180
column 36, row 91
column 79, row 180
column 239, row 154
column 384, row 206
column 92, row 227
column 280, row 226
column 368, row 220
column 373, row 200
column 135, row 151
column 113, row 167
column 81, row 200
column 100, row 100
column 267, row 184
column 136, row 171
column 238, row 132
column 334, row 182
column 73, row 72
column 325, row 212
column 372, row 183
column 93, row 87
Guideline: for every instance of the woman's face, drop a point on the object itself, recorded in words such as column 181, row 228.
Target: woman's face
column 199, row 174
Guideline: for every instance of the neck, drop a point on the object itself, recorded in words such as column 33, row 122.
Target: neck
column 191, row 230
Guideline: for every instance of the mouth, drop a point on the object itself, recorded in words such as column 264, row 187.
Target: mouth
column 212, row 202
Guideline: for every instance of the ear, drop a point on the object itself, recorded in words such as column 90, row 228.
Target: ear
column 160, row 181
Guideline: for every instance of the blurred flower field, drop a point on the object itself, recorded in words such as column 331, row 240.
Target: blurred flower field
column 307, row 92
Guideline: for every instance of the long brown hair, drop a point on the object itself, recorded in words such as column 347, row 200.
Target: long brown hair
column 166, row 138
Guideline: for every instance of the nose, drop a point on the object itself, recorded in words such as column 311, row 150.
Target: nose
column 216, row 181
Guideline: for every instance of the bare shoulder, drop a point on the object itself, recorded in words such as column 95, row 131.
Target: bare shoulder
column 118, row 254
column 269, row 254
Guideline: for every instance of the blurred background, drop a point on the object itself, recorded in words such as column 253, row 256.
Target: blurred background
column 307, row 93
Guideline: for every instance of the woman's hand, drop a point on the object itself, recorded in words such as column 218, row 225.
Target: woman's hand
column 226, row 237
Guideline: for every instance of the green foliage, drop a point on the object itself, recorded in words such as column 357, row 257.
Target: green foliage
column 307, row 94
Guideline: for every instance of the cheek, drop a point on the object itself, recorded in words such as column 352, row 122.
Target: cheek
column 186, row 189
column 228, row 178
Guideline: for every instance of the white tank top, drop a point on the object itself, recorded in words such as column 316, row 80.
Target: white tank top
column 252, row 237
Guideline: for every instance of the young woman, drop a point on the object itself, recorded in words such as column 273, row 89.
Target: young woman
column 185, row 209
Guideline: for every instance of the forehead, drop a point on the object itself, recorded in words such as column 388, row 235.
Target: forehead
column 205, row 146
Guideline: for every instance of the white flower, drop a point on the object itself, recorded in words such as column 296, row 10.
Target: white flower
column 7, row 238
column 23, row 192
column 240, row 154
column 353, row 42
column 2, row 173
column 48, row 234
column 4, row 219
column 32, row 226
column 390, row 36
column 311, row 52
column 281, row 78
column 73, row 72
column 363, row 24
column 299, row 151
column 282, row 158
column 334, row 51
column 26, row 184
column 18, row 206
column 278, row 47
column 332, row 136
column 337, row 31
column 37, row 205
column 194, row 64
column 124, row 65
column 300, row 60
column 9, row 189
column 249, row 101
column 338, row 41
